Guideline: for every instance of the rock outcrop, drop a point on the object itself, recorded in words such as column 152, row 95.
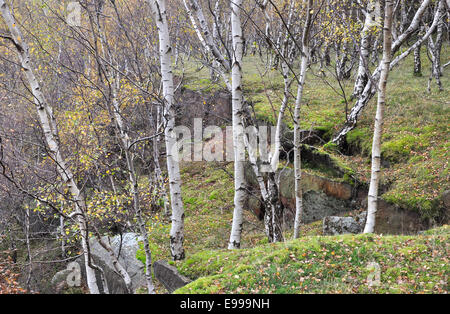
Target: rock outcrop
column 322, row 197
column 169, row 276
column 391, row 219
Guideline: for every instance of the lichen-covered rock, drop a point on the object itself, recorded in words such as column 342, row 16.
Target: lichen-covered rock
column 333, row 225
column 126, row 248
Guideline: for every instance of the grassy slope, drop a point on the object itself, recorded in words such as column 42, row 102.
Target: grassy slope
column 415, row 142
column 208, row 198
column 416, row 145
column 208, row 191
column 320, row 264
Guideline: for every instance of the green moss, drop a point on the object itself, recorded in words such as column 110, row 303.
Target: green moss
column 400, row 147
column 427, row 208
column 361, row 139
column 154, row 249
column 331, row 147
column 337, row 264
column 213, row 195
column 190, row 200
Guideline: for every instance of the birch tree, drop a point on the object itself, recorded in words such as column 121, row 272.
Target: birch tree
column 378, row 128
column 297, row 117
column 434, row 48
column 238, row 127
column 372, row 13
column 113, row 79
column 370, row 87
column 48, row 125
column 159, row 12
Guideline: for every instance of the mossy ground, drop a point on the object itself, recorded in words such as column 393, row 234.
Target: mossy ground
column 326, row 264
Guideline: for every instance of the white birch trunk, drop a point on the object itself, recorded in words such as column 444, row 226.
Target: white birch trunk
column 238, row 128
column 114, row 79
column 207, row 40
column 434, row 48
column 135, row 193
column 297, row 112
column 116, row 264
column 177, row 231
column 378, row 128
column 370, row 20
column 417, row 61
column 47, row 123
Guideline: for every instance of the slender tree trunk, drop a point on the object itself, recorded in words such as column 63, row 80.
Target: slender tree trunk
column 363, row 70
column 159, row 179
column 435, row 49
column 129, row 156
column 48, row 125
column 377, row 133
column 403, row 15
column 62, row 234
column 113, row 78
column 27, row 239
column 165, row 51
column 238, row 127
column 297, row 117
column 120, row 270
column 196, row 8
column 207, row 40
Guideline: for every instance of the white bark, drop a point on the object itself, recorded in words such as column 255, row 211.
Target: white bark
column 417, row 62
column 113, row 78
column 377, row 133
column 434, row 48
column 238, row 128
column 207, row 35
column 369, row 89
column 371, row 20
column 297, row 117
column 207, row 41
column 48, row 123
column 287, row 80
column 177, row 231
column 287, row 84
column 123, row 134
column 116, row 264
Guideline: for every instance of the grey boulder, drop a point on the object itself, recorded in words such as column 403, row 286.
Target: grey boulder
column 125, row 247
column 334, row 225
